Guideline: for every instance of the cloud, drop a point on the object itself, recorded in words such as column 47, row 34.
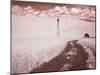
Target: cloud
column 56, row 11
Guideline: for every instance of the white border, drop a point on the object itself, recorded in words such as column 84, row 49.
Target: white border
column 88, row 2
column 5, row 38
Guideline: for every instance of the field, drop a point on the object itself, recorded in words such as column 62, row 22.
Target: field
column 35, row 40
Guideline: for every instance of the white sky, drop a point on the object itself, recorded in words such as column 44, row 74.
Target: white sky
column 88, row 2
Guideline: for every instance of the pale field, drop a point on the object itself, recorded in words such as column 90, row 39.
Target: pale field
column 35, row 40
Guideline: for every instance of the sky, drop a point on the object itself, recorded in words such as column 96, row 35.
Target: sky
column 49, row 9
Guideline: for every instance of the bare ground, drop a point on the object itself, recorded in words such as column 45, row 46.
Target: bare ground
column 73, row 57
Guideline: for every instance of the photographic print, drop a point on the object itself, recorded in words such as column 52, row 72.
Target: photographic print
column 52, row 37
